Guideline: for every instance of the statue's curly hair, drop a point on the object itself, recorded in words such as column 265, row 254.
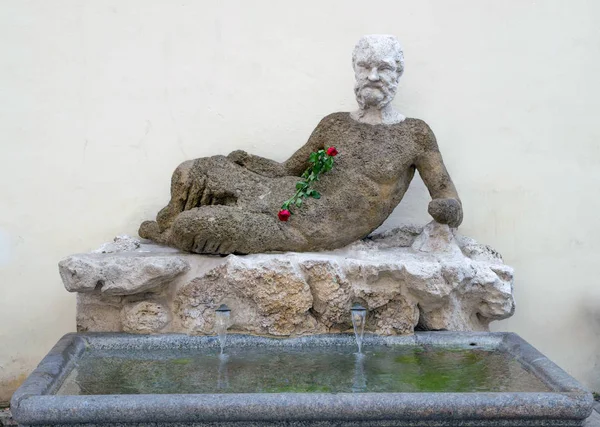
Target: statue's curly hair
column 379, row 41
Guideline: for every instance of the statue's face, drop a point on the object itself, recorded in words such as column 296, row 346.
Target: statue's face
column 377, row 76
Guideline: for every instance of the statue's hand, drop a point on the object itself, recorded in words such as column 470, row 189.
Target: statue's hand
column 446, row 211
column 239, row 157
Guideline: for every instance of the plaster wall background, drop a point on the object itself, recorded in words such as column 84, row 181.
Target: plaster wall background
column 101, row 100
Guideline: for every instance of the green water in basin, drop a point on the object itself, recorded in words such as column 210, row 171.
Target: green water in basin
column 331, row 369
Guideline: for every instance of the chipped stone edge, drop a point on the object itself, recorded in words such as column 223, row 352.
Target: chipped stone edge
column 569, row 404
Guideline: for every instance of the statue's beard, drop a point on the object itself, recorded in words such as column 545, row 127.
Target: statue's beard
column 376, row 95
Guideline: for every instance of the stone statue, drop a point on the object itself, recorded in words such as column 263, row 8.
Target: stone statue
column 229, row 204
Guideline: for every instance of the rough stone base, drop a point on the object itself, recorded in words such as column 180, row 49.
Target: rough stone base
column 407, row 278
column 6, row 418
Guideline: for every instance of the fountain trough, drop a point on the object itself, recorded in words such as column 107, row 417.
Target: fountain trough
column 427, row 379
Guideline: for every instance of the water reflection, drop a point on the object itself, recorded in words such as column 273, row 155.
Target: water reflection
column 314, row 369
column 359, row 384
column 223, row 375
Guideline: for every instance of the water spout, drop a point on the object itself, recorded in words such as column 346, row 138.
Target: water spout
column 222, row 323
column 359, row 314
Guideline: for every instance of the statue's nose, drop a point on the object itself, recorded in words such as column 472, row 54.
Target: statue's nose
column 374, row 75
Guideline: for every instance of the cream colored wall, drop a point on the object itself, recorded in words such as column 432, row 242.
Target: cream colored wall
column 100, row 100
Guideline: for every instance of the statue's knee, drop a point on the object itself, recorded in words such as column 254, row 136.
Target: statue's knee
column 204, row 164
column 198, row 168
column 220, row 159
column 184, row 168
column 181, row 174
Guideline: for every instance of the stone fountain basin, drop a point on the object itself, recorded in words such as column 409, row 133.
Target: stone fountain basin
column 44, row 398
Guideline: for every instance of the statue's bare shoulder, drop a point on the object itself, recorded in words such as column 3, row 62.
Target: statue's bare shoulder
column 423, row 135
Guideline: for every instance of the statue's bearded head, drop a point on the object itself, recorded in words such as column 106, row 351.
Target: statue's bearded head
column 378, row 63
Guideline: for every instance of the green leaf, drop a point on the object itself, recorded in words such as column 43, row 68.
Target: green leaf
column 320, row 163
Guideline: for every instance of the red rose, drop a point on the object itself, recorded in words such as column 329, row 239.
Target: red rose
column 331, row 151
column 284, row 215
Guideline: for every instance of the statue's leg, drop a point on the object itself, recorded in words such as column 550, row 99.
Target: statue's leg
column 200, row 182
column 182, row 180
column 228, row 229
column 187, row 184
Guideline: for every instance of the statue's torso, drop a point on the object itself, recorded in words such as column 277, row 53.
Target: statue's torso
column 382, row 153
column 372, row 171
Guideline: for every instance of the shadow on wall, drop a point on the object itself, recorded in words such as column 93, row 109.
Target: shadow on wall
column 413, row 207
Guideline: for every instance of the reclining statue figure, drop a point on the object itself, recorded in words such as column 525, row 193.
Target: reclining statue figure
column 230, row 204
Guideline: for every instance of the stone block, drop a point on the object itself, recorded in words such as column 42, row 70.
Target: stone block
column 411, row 277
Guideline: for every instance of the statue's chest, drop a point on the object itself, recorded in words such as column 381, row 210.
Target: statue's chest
column 380, row 153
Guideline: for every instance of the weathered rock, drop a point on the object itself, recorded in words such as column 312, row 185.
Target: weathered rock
column 406, row 278
column 229, row 204
column 435, row 238
column 144, row 317
column 119, row 273
column 274, row 299
column 119, row 244
column 97, row 312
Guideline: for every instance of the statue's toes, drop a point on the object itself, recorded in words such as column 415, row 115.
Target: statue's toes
column 199, row 246
column 213, row 246
column 227, row 247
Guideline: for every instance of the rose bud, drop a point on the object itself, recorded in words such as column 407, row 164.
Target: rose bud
column 284, row 215
column 331, row 151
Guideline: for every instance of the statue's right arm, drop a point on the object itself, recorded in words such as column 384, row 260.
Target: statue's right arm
column 294, row 166
column 445, row 206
